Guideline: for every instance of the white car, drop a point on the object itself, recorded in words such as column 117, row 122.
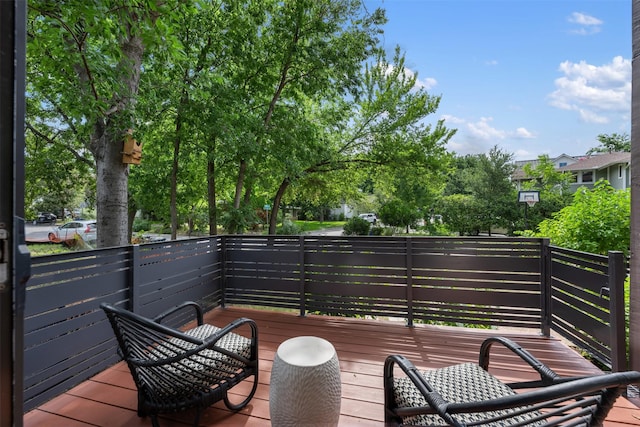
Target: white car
column 84, row 229
column 371, row 217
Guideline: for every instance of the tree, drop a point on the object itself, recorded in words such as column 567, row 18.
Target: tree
column 597, row 221
column 460, row 174
column 309, row 49
column 492, row 187
column 398, row 213
column 53, row 181
column 88, row 67
column 612, row 143
column 462, row 213
column 383, row 129
column 485, row 178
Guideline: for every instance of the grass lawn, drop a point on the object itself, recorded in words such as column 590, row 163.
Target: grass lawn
column 318, row 225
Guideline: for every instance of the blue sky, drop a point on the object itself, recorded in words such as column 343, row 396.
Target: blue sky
column 530, row 76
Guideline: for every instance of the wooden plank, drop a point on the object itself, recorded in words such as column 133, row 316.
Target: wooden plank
column 109, row 398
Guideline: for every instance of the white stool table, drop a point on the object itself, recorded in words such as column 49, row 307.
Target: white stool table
column 305, row 384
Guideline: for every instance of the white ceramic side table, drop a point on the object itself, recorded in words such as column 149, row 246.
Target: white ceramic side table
column 305, row 384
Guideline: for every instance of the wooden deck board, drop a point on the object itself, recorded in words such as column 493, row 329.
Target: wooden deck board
column 109, row 398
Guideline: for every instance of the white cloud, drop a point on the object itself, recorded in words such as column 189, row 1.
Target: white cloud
column 588, row 24
column 583, row 19
column 523, row 134
column 479, row 136
column 597, row 93
column 426, row 83
column 484, row 131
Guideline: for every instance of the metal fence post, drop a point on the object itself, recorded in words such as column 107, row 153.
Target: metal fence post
column 134, row 279
column 223, row 270
column 409, row 264
column 617, row 276
column 303, row 298
column 546, row 288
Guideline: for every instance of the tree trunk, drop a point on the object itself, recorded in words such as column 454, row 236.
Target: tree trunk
column 131, row 210
column 174, row 179
column 276, row 205
column 111, row 190
column 107, row 143
column 211, row 197
column 239, row 184
column 634, row 299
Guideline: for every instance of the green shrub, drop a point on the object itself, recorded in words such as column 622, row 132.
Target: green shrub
column 356, row 226
column 140, row 224
column 288, row 228
column 376, row 231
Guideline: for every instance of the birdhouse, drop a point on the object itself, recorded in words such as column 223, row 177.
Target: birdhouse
column 132, row 150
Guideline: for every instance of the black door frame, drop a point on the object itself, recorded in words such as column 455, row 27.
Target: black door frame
column 15, row 262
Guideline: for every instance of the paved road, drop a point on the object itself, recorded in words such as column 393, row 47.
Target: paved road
column 37, row 233
column 336, row 231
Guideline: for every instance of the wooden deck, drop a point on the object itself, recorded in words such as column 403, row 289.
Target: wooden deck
column 109, row 398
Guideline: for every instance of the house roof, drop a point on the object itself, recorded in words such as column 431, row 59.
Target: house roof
column 592, row 162
column 519, row 174
column 597, row 161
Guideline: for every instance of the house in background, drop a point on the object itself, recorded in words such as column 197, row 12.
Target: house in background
column 586, row 170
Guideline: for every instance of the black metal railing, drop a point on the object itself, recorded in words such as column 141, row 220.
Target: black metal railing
column 487, row 281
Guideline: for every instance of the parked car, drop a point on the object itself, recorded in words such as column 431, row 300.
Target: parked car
column 45, row 218
column 371, row 217
column 87, row 230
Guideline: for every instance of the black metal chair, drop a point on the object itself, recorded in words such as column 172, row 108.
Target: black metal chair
column 177, row 370
column 468, row 395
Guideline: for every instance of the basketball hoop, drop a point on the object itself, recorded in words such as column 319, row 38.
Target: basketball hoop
column 529, row 197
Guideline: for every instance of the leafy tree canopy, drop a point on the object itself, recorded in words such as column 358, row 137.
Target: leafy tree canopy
column 612, row 143
column 597, row 221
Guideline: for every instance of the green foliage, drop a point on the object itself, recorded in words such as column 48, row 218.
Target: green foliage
column 462, row 213
column 493, row 189
column 356, row 226
column 289, row 228
column 491, row 197
column 236, row 221
column 398, row 213
column 597, row 221
column 553, row 187
column 377, row 231
column 242, row 103
column 612, row 143
column 140, row 224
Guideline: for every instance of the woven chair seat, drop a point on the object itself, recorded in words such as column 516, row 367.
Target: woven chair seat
column 466, row 395
column 198, row 372
column 176, row 370
column 466, row 382
column 233, row 343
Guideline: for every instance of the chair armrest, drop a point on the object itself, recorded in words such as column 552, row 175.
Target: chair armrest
column 547, row 375
column 571, row 387
column 179, row 307
column 235, row 324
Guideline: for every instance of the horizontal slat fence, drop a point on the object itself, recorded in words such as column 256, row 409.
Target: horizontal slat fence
column 67, row 337
column 483, row 281
column 587, row 303
column 488, row 281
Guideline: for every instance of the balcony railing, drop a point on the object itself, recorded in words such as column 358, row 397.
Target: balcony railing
column 487, row 282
